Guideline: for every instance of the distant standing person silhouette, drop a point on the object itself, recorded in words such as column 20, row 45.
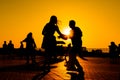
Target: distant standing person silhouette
column 10, row 48
column 10, row 45
column 49, row 40
column 30, row 47
column 21, row 45
column 113, row 52
column 5, row 47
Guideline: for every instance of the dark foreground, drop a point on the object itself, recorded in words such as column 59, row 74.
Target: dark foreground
column 95, row 68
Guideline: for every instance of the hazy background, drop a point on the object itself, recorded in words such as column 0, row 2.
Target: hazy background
column 98, row 19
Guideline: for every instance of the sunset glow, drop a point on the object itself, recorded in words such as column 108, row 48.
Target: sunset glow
column 66, row 31
column 98, row 20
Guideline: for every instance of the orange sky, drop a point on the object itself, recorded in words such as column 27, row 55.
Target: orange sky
column 98, row 19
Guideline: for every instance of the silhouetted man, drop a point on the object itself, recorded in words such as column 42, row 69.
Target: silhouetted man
column 73, row 64
column 75, row 36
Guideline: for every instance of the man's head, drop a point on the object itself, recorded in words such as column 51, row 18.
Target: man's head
column 72, row 23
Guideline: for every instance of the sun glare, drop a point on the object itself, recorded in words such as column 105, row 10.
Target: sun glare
column 66, row 31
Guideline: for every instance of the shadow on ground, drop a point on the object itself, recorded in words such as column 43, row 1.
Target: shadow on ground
column 22, row 68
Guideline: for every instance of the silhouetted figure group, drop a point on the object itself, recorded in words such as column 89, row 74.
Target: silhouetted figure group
column 114, row 52
column 8, row 48
column 49, row 43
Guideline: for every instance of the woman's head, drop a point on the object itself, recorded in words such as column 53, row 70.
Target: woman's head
column 29, row 35
column 53, row 19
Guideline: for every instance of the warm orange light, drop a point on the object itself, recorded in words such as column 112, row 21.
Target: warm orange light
column 66, row 31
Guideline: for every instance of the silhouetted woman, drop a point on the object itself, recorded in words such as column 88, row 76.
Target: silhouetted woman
column 30, row 47
column 21, row 50
column 49, row 40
